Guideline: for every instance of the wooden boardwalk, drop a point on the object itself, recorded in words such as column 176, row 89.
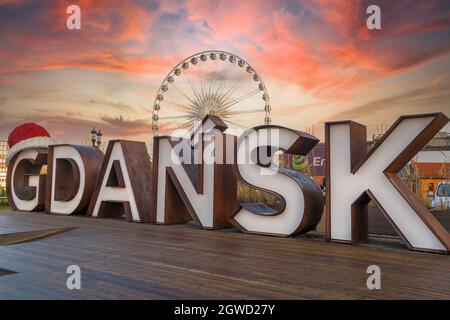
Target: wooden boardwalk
column 121, row 260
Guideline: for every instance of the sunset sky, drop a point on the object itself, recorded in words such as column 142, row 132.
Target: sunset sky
column 318, row 60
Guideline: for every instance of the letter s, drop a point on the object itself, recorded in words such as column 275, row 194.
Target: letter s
column 300, row 197
column 74, row 280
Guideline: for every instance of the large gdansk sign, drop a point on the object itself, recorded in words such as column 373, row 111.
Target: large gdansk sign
column 196, row 180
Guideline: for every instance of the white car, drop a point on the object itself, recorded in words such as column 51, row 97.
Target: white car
column 441, row 197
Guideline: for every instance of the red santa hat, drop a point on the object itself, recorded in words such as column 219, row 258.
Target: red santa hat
column 27, row 136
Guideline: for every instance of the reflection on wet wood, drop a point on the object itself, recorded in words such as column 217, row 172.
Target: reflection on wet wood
column 121, row 260
column 21, row 237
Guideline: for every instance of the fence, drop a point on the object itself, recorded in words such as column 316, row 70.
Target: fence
column 3, row 201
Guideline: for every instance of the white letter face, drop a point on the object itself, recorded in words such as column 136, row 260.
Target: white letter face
column 117, row 194
column 208, row 193
column 62, row 153
column 372, row 177
column 25, row 176
column 288, row 186
column 202, row 203
column 73, row 22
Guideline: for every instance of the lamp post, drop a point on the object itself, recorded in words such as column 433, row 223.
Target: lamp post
column 99, row 138
column 93, row 136
column 96, row 137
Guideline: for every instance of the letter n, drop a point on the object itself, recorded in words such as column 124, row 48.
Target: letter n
column 72, row 173
column 188, row 187
column 124, row 184
column 356, row 177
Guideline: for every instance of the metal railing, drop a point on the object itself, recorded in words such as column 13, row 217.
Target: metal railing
column 3, row 201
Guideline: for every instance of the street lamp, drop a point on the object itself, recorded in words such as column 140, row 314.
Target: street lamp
column 93, row 136
column 96, row 137
column 99, row 138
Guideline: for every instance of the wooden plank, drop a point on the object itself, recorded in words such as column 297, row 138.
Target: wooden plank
column 121, row 260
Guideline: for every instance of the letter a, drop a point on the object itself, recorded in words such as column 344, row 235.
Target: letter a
column 72, row 174
column 73, row 22
column 374, row 21
column 124, row 184
column 374, row 280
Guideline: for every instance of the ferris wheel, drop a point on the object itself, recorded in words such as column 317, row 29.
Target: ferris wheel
column 210, row 83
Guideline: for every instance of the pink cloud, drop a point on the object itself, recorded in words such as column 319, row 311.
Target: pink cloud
column 321, row 46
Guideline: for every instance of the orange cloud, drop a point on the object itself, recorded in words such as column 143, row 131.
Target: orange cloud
column 321, row 47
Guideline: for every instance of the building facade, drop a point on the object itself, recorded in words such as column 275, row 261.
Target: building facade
column 3, row 169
